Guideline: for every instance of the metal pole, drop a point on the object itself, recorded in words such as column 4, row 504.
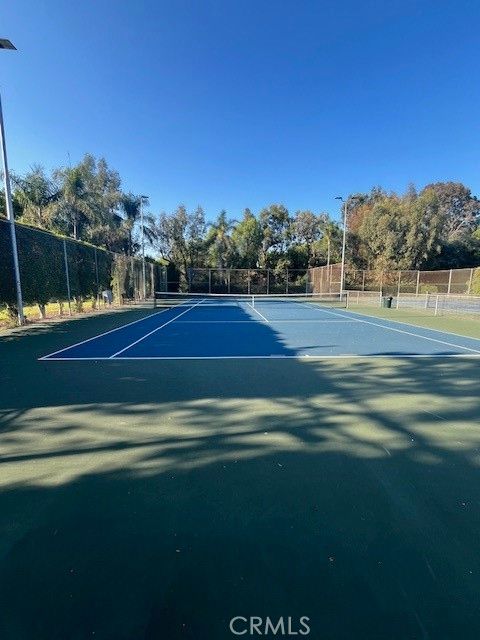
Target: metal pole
column 450, row 281
column 67, row 275
column 470, row 280
column 96, row 278
column 344, row 242
column 143, row 250
column 13, row 235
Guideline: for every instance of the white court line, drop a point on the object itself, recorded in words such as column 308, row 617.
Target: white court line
column 281, row 357
column 408, row 333
column 155, row 330
column 263, row 317
column 100, row 335
column 417, row 326
column 253, row 321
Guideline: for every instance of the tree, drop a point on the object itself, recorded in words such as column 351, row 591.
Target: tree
column 89, row 199
column 330, row 244
column 130, row 207
column 425, row 223
column 402, row 233
column 247, row 241
column 307, row 229
column 275, row 223
column 179, row 239
column 461, row 210
column 195, row 237
column 73, row 210
column 35, row 193
column 219, row 241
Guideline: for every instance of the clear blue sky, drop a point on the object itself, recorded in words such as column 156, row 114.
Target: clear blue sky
column 233, row 104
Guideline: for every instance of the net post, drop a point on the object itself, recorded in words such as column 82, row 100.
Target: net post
column 67, row 277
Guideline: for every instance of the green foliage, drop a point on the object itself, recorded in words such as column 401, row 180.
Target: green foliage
column 247, row 241
column 275, row 223
column 428, row 288
column 459, row 209
column 475, row 288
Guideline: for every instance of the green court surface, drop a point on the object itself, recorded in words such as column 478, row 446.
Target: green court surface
column 159, row 499
column 467, row 325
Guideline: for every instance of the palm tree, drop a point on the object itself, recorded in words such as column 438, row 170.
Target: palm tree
column 130, row 206
column 219, row 239
column 74, row 204
column 35, row 193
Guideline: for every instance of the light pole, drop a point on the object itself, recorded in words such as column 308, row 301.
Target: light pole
column 142, row 200
column 6, row 44
column 344, row 241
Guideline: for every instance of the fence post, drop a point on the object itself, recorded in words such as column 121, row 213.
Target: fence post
column 449, row 281
column 470, row 280
column 399, row 281
column 363, row 279
column 436, row 304
column 286, row 284
column 228, row 280
column 67, row 276
column 268, row 281
column 96, row 278
column 418, row 282
column 209, row 281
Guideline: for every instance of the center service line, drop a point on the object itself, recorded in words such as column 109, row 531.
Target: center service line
column 154, row 330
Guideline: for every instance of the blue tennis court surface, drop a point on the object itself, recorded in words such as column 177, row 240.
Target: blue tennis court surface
column 202, row 328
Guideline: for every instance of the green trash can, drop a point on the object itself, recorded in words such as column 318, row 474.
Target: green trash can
column 387, row 302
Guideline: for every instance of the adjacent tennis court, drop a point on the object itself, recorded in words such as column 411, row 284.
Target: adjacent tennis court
column 263, row 326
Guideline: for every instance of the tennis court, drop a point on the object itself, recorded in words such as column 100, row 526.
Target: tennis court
column 263, row 326
column 184, row 465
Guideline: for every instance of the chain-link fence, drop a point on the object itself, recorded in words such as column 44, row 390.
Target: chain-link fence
column 69, row 274
column 249, row 281
column 453, row 281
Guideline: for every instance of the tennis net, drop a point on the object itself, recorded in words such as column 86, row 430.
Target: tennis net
column 167, row 299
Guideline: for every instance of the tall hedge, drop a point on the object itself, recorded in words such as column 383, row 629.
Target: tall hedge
column 90, row 269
